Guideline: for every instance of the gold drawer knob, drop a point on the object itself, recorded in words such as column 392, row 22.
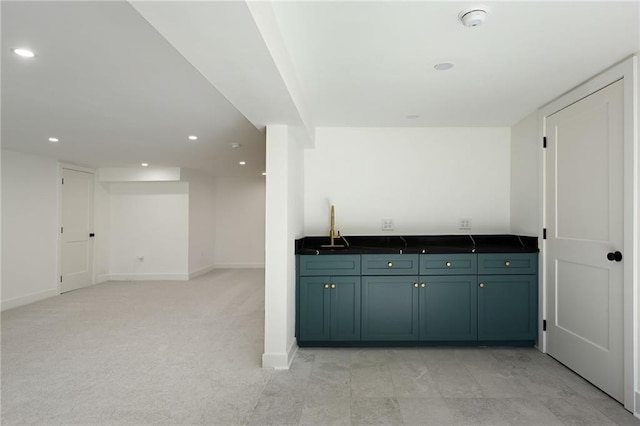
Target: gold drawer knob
column 481, row 285
column 326, row 285
column 390, row 264
column 333, row 285
column 423, row 285
column 507, row 263
column 448, row 264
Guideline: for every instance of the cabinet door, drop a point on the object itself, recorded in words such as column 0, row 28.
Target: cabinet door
column 390, row 308
column 448, row 307
column 345, row 308
column 507, row 307
column 314, row 314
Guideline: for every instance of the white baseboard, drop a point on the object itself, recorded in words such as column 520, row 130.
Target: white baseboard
column 30, row 298
column 102, row 278
column 239, row 266
column 280, row 360
column 201, row 271
column 148, row 277
column 637, row 409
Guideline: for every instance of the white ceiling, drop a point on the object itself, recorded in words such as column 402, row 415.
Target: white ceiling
column 121, row 83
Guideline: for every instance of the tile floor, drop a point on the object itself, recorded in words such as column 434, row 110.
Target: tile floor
column 433, row 386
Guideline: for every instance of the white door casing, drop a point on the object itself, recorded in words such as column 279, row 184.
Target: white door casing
column 584, row 208
column 76, row 254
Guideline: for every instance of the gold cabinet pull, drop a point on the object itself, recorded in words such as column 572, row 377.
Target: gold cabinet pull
column 448, row 264
column 415, row 285
column 507, row 263
column 481, row 285
column 390, row 264
column 333, row 285
column 423, row 285
column 326, row 285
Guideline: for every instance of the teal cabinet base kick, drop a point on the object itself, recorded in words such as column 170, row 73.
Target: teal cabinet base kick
column 379, row 300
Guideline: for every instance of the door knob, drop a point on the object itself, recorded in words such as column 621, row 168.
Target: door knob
column 617, row 256
column 91, row 235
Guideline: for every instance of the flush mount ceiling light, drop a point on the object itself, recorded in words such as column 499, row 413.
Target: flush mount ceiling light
column 53, row 139
column 473, row 17
column 442, row 66
column 144, row 164
column 193, row 138
column 25, row 53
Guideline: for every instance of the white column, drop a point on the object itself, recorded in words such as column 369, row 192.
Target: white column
column 283, row 225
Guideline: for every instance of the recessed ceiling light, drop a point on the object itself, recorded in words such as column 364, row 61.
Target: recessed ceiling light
column 242, row 163
column 144, row 164
column 412, row 116
column 193, row 138
column 235, row 145
column 25, row 53
column 53, row 139
column 443, row 66
column 264, row 173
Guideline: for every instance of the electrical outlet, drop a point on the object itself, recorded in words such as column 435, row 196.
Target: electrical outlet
column 465, row 223
column 387, row 224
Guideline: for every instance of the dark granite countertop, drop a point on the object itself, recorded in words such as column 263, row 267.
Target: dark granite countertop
column 407, row 244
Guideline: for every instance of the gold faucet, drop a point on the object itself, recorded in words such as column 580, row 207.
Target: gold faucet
column 332, row 231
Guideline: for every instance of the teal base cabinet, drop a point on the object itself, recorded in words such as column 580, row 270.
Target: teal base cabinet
column 390, row 297
column 390, row 308
column 448, row 308
column 507, row 296
column 328, row 306
column 507, row 307
column 417, row 299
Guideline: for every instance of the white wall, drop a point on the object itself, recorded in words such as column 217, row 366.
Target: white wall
column 29, row 228
column 425, row 179
column 202, row 221
column 102, row 228
column 240, row 222
column 139, row 174
column 150, row 220
column 525, row 172
column 284, row 214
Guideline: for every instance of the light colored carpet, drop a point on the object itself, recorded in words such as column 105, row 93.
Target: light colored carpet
column 138, row 353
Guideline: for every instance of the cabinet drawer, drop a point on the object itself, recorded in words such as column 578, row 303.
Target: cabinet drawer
column 508, row 263
column 389, row 264
column 339, row 264
column 448, row 264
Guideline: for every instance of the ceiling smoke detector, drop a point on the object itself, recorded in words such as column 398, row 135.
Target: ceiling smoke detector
column 473, row 17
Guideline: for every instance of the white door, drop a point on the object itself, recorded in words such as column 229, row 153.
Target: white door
column 77, row 225
column 584, row 208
